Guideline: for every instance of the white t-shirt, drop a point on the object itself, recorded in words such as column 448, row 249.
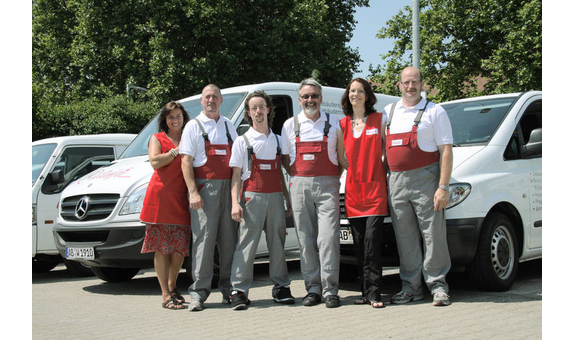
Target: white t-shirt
column 265, row 147
column 310, row 131
column 192, row 142
column 433, row 130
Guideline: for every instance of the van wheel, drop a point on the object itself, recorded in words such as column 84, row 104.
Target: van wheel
column 110, row 274
column 494, row 266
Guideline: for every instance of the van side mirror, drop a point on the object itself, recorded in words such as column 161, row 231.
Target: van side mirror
column 534, row 147
column 57, row 177
column 243, row 128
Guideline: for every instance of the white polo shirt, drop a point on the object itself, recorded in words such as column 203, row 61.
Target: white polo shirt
column 310, row 131
column 192, row 142
column 265, row 147
column 434, row 128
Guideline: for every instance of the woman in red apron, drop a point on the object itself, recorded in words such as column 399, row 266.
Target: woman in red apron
column 360, row 147
column 165, row 210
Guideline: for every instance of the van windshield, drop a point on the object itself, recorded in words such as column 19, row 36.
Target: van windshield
column 139, row 146
column 40, row 155
column 475, row 122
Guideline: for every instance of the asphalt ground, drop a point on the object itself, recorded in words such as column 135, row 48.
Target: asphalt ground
column 67, row 307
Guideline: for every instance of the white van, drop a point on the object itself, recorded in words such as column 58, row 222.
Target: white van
column 109, row 237
column 494, row 218
column 55, row 163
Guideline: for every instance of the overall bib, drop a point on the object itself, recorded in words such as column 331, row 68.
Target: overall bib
column 263, row 206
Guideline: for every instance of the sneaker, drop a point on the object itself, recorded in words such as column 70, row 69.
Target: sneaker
column 332, row 301
column 311, row 299
column 404, row 297
column 195, row 305
column 284, row 296
column 238, row 300
column 441, row 299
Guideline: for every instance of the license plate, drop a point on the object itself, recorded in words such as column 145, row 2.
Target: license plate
column 80, row 253
column 345, row 236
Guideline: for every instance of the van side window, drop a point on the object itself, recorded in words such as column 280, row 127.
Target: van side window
column 283, row 111
column 75, row 162
column 526, row 141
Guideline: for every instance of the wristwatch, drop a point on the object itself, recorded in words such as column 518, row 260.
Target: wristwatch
column 444, row 187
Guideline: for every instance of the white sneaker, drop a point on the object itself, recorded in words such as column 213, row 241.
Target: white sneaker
column 195, row 305
column 441, row 299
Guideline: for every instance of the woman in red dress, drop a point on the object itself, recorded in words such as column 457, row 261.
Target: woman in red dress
column 360, row 151
column 165, row 210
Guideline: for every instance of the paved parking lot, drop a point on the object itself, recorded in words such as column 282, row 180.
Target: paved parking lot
column 65, row 307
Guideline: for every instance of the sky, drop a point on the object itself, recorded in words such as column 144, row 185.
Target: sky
column 370, row 20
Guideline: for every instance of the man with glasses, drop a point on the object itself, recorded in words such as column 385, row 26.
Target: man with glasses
column 309, row 155
column 419, row 156
column 256, row 163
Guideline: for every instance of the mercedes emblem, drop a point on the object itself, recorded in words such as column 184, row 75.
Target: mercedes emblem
column 82, row 208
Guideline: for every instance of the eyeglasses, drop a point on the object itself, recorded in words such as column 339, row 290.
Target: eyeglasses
column 307, row 96
column 255, row 108
column 411, row 82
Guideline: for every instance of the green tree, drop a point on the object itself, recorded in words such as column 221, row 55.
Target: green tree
column 463, row 41
column 92, row 49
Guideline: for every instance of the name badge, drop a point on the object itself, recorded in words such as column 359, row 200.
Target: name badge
column 221, row 152
column 265, row 166
column 308, row 157
column 397, row 142
column 371, row 132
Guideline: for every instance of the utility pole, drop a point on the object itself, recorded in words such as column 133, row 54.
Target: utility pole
column 415, row 35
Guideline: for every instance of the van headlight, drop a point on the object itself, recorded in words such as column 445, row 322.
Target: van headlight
column 135, row 201
column 458, row 192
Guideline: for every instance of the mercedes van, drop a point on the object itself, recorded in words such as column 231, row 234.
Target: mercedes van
column 108, row 234
column 56, row 162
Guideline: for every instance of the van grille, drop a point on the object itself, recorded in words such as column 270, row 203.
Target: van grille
column 92, row 208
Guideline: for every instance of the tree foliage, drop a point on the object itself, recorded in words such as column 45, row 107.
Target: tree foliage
column 93, row 48
column 462, row 41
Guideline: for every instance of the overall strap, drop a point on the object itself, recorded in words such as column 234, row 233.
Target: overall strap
column 204, row 134
column 391, row 115
column 419, row 114
column 250, row 152
column 230, row 140
column 327, row 125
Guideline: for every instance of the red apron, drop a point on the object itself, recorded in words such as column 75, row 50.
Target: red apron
column 218, row 164
column 403, row 152
column 365, row 182
column 166, row 200
column 265, row 173
column 311, row 158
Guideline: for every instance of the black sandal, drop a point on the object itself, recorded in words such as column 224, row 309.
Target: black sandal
column 172, row 304
column 177, row 296
column 362, row 301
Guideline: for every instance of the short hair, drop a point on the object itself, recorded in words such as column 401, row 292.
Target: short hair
column 370, row 98
column 214, row 86
column 309, row 81
column 169, row 107
column 420, row 74
column 269, row 103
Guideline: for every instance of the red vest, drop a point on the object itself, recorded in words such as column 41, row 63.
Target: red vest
column 218, row 164
column 403, row 152
column 265, row 173
column 166, row 200
column 311, row 158
column 365, row 182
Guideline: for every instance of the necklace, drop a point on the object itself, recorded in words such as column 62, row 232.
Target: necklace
column 358, row 121
column 174, row 141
